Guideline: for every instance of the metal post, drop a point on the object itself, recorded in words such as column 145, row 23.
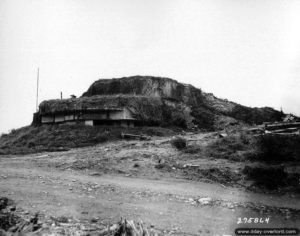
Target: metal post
column 37, row 89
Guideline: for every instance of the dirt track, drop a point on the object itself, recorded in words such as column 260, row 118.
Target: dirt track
column 37, row 183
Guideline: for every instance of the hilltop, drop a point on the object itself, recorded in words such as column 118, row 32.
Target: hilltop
column 203, row 109
column 164, row 102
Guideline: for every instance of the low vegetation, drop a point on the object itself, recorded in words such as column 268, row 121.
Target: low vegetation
column 192, row 149
column 62, row 137
column 255, row 115
column 277, row 148
column 271, row 177
column 264, row 148
column 204, row 117
column 179, row 143
column 265, row 157
column 235, row 147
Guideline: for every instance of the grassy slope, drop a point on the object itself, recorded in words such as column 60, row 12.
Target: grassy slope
column 32, row 139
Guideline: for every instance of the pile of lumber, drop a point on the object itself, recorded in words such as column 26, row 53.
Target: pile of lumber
column 129, row 228
column 283, row 128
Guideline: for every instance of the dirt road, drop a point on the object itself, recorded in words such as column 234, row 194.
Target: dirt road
column 175, row 205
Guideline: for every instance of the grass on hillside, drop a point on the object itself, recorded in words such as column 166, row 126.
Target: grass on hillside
column 62, row 137
column 277, row 148
column 235, row 147
column 272, row 177
column 265, row 155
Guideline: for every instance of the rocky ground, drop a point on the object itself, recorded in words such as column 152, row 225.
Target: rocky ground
column 86, row 190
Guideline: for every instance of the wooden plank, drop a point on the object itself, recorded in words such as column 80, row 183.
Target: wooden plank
column 134, row 136
column 283, row 124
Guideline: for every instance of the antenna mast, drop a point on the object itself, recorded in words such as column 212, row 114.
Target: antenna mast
column 37, row 89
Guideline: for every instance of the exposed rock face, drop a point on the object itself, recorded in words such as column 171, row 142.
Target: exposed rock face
column 204, row 107
column 146, row 86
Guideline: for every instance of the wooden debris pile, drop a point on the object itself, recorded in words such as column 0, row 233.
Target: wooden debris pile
column 283, row 128
column 129, row 228
column 13, row 223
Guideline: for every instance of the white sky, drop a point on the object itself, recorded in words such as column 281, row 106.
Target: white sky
column 247, row 51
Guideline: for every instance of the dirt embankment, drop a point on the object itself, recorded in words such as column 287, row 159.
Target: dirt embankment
column 258, row 163
column 200, row 188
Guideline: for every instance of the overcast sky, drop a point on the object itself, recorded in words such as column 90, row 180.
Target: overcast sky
column 247, row 51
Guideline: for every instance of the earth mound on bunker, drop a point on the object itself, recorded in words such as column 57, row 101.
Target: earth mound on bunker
column 204, row 109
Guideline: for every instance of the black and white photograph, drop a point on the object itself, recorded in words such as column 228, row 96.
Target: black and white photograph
column 149, row 117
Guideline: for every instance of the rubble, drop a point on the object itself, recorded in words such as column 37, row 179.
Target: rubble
column 12, row 223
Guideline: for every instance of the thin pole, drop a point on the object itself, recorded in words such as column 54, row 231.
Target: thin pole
column 37, row 89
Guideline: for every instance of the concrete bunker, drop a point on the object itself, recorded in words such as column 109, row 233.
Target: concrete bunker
column 93, row 117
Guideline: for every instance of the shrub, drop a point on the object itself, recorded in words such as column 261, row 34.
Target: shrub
column 100, row 138
column 204, row 117
column 31, row 144
column 13, row 131
column 179, row 142
column 268, row 177
column 163, row 166
column 2, row 152
column 178, row 119
column 245, row 138
column 3, row 135
column 277, row 148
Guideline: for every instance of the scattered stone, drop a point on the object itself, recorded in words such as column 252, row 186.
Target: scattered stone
column 223, row 135
column 61, row 219
column 12, row 208
column 205, row 200
column 4, row 202
column 190, row 200
column 94, row 220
